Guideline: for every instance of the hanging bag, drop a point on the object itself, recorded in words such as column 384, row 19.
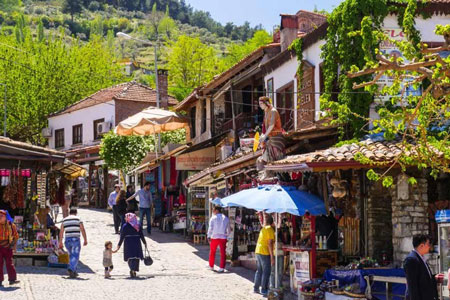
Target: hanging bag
column 148, row 261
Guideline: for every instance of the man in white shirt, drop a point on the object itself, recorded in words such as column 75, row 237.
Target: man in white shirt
column 218, row 232
column 112, row 204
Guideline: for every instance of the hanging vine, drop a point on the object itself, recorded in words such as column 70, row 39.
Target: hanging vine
column 297, row 47
column 353, row 36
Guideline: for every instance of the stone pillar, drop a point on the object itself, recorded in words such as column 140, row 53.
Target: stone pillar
column 409, row 214
column 379, row 221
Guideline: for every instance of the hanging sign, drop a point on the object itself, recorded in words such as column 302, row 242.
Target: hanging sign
column 196, row 160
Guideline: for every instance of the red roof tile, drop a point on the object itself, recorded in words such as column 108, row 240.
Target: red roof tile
column 128, row 91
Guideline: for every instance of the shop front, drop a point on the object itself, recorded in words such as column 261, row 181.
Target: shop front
column 33, row 179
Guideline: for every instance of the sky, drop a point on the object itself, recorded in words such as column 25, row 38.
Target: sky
column 265, row 12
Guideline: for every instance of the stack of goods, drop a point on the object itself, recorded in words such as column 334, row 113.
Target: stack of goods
column 198, row 224
column 311, row 290
column 365, row 262
column 247, row 231
column 33, row 237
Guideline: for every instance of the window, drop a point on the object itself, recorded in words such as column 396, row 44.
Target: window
column 270, row 88
column 204, row 116
column 192, row 115
column 97, row 136
column 77, row 134
column 59, row 138
column 285, row 96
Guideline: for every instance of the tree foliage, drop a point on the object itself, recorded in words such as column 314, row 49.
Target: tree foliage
column 419, row 120
column 191, row 63
column 45, row 76
column 127, row 152
column 72, row 7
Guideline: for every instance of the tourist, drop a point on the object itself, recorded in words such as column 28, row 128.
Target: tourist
column 72, row 227
column 132, row 205
column 121, row 206
column 218, row 232
column 8, row 240
column 145, row 204
column 112, row 203
column 421, row 284
column 50, row 223
column 131, row 235
column 264, row 257
column 107, row 259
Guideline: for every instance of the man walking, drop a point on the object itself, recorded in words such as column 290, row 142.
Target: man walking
column 8, row 240
column 72, row 227
column 145, row 206
column 218, row 232
column 112, row 203
column 420, row 281
column 264, row 256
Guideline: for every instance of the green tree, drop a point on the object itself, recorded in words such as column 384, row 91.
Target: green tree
column 44, row 77
column 191, row 63
column 127, row 152
column 236, row 52
column 72, row 7
column 10, row 5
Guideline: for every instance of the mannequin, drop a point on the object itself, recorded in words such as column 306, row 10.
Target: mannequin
column 272, row 138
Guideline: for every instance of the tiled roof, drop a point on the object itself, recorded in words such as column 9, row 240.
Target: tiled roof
column 128, row 91
column 377, row 151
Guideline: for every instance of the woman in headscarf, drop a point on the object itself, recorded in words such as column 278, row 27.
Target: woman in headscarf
column 132, row 235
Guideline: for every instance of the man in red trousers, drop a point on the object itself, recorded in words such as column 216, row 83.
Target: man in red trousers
column 8, row 240
column 218, row 232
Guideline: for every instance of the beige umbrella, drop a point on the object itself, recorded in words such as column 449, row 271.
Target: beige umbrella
column 151, row 121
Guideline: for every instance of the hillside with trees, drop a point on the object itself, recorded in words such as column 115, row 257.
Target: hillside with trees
column 73, row 45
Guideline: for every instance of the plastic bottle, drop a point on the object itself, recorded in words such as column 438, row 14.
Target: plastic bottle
column 320, row 242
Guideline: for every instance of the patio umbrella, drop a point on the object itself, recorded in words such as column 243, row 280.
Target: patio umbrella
column 151, row 121
column 277, row 199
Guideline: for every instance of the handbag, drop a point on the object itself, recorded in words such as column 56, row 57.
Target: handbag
column 148, row 261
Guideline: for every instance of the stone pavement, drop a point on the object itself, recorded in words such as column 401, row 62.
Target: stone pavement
column 179, row 272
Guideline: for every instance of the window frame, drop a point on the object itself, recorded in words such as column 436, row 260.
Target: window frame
column 59, row 142
column 97, row 136
column 77, row 138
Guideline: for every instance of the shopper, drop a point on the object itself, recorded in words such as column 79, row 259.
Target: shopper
column 8, row 240
column 132, row 205
column 218, row 232
column 121, row 206
column 72, row 227
column 50, row 223
column 145, row 204
column 421, row 284
column 132, row 236
column 264, row 257
column 107, row 259
column 112, row 203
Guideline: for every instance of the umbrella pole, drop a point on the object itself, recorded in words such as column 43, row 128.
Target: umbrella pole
column 156, row 145
column 276, row 251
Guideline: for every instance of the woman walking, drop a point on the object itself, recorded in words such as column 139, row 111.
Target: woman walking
column 132, row 235
column 121, row 206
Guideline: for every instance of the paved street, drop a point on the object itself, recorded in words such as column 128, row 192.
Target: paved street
column 179, row 272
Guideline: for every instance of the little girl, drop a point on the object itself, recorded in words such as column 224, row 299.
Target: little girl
column 107, row 259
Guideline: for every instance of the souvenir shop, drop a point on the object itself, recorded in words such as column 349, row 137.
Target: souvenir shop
column 32, row 179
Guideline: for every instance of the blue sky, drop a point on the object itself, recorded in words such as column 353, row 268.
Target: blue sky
column 265, row 12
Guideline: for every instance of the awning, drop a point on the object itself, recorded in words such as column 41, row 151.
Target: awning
column 153, row 163
column 14, row 150
column 70, row 169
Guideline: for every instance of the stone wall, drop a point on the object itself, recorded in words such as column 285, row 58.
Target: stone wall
column 379, row 220
column 409, row 215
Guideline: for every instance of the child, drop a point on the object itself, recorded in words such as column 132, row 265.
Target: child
column 107, row 259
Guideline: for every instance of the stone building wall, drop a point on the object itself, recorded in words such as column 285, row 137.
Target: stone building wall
column 409, row 215
column 379, row 219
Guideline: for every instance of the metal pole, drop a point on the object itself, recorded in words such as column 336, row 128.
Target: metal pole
column 157, row 91
column 5, row 116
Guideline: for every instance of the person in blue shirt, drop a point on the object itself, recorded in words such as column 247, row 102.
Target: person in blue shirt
column 145, row 206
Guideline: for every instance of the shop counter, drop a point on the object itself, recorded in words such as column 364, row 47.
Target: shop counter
column 34, row 256
column 346, row 277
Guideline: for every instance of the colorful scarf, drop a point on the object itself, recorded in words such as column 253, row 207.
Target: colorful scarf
column 131, row 219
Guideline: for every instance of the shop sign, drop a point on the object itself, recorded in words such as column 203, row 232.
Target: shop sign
column 299, row 269
column 196, row 160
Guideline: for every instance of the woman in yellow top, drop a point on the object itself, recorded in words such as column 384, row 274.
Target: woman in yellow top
column 264, row 257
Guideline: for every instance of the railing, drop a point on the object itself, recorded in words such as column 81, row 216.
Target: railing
column 389, row 281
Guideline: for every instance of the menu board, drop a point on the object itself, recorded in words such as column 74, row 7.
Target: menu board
column 299, row 269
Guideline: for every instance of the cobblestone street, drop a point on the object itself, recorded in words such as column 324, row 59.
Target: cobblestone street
column 179, row 272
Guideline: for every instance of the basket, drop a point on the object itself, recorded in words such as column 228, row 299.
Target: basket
column 63, row 258
column 359, row 296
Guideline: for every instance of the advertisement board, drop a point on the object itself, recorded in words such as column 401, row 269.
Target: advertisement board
column 299, row 269
column 196, row 160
